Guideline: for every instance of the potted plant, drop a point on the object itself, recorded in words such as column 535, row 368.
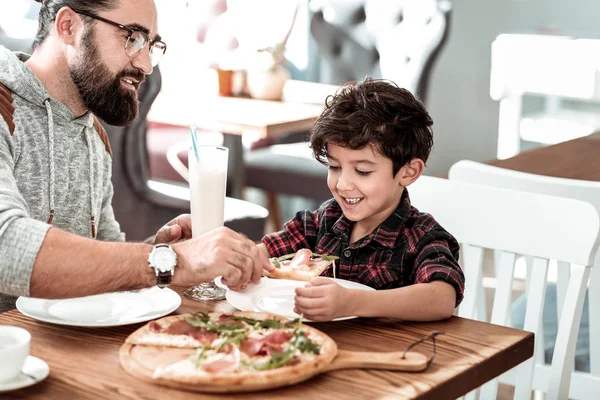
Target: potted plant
column 267, row 77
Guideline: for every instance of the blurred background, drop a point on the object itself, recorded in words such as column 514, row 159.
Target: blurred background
column 449, row 67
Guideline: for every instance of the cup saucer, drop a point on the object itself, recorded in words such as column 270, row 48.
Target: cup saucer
column 33, row 368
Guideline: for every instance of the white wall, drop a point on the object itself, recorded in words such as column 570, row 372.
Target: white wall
column 465, row 117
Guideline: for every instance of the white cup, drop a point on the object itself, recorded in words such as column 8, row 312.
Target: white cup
column 14, row 349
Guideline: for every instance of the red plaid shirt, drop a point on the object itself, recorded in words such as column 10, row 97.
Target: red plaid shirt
column 408, row 247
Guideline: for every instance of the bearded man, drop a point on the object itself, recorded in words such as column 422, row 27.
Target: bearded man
column 58, row 234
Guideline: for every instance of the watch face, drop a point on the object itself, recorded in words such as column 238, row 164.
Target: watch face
column 164, row 259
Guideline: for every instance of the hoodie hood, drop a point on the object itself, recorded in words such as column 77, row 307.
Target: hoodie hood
column 21, row 80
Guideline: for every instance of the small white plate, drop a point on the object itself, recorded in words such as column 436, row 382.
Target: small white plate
column 276, row 296
column 33, row 368
column 103, row 310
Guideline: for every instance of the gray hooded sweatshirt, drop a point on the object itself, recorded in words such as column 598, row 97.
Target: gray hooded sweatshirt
column 49, row 160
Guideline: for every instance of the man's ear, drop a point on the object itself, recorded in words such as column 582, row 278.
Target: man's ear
column 67, row 24
column 410, row 172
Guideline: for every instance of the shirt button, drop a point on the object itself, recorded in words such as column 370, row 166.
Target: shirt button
column 347, row 254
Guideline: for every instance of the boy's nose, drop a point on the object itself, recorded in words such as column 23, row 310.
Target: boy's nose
column 344, row 183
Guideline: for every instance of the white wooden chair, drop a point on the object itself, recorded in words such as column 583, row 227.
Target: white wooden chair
column 515, row 222
column 584, row 385
column 552, row 68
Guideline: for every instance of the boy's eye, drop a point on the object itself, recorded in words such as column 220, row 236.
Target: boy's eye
column 363, row 173
column 334, row 167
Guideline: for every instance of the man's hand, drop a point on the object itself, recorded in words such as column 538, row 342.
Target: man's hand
column 263, row 253
column 219, row 252
column 322, row 300
column 175, row 230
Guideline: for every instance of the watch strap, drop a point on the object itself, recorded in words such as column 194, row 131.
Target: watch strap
column 163, row 279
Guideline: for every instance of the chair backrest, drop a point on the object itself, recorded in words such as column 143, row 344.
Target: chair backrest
column 542, row 226
column 398, row 40
column 589, row 191
column 489, row 175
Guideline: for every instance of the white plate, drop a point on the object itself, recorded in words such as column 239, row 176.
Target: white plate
column 109, row 309
column 33, row 368
column 276, row 296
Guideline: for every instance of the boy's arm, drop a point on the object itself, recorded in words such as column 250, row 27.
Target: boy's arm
column 436, row 289
column 324, row 300
column 421, row 302
column 438, row 284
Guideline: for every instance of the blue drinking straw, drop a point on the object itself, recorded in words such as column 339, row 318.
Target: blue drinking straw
column 194, row 142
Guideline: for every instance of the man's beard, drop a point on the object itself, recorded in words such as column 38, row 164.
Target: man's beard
column 100, row 91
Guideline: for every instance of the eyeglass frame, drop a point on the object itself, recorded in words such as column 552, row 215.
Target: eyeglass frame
column 149, row 42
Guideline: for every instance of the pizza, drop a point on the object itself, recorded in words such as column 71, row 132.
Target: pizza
column 301, row 266
column 227, row 352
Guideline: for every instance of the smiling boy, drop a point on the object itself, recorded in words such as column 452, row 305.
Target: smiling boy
column 375, row 137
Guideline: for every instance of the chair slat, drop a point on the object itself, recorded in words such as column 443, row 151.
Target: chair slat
column 533, row 320
column 505, row 268
column 563, row 274
column 594, row 316
column 568, row 327
column 472, row 263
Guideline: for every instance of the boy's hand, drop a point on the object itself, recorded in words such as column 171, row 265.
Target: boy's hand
column 322, row 300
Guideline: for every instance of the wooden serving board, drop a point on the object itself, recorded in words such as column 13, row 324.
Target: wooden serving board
column 142, row 361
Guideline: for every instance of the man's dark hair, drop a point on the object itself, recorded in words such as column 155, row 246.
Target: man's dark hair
column 377, row 113
column 50, row 8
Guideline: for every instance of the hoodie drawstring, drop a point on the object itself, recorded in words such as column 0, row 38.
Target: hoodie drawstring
column 91, row 157
column 51, row 157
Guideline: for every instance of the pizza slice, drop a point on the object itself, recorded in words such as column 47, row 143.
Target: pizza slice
column 301, row 266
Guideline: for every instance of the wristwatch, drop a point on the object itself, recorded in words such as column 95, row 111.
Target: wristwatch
column 162, row 259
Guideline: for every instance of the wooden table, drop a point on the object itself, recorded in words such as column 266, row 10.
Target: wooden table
column 575, row 159
column 302, row 103
column 84, row 362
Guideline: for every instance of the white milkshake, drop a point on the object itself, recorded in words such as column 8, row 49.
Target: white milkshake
column 208, row 179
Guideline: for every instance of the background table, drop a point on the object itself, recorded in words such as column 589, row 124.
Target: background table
column 574, row 159
column 298, row 110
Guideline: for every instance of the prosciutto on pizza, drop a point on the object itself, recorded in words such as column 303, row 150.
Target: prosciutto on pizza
column 301, row 266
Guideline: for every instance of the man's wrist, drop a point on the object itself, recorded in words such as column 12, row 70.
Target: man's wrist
column 148, row 277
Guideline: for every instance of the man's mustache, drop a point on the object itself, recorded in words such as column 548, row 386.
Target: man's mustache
column 135, row 74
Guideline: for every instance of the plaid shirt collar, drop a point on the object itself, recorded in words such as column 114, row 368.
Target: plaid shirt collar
column 386, row 233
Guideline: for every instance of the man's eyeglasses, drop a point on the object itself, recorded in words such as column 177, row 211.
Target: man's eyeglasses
column 136, row 40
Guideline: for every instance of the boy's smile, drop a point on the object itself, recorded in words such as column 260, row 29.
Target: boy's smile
column 362, row 183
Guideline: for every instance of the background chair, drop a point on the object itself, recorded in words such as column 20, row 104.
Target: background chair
column 559, row 70
column 586, row 378
column 142, row 205
column 514, row 222
column 396, row 40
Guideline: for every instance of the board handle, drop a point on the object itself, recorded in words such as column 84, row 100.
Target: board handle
column 395, row 361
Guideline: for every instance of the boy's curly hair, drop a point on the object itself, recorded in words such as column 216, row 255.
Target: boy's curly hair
column 377, row 113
